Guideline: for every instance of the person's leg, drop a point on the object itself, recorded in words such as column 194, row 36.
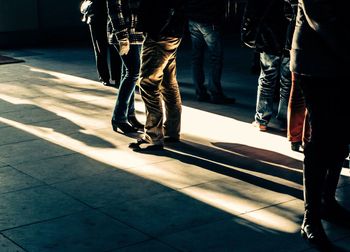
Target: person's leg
column 314, row 169
column 321, row 166
column 339, row 143
column 98, row 33
column 171, row 96
column 285, row 85
column 154, row 60
column 198, row 49
column 124, row 103
column 213, row 39
column 116, row 65
column 266, row 87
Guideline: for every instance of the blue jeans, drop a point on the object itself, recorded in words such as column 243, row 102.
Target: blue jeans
column 125, row 105
column 202, row 36
column 272, row 68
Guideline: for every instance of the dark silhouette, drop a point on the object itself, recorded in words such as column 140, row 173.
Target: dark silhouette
column 316, row 68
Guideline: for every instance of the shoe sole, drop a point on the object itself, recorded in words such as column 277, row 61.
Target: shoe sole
column 259, row 126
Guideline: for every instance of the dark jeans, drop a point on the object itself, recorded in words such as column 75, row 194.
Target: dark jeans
column 159, row 84
column 125, row 105
column 327, row 103
column 98, row 31
column 206, row 36
column 272, row 68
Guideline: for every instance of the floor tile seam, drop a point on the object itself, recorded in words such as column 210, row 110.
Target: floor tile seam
column 158, row 237
column 45, row 220
column 73, row 197
column 240, row 214
column 105, row 204
column 149, row 240
column 124, row 223
column 22, row 189
column 202, row 183
column 43, row 159
column 19, row 142
column 169, row 233
column 14, row 242
column 268, row 206
column 218, row 220
column 26, row 174
column 126, row 246
column 111, row 170
column 151, row 163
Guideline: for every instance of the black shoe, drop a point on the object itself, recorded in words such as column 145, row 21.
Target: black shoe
column 125, row 127
column 222, row 100
column 143, row 145
column 315, row 234
column 135, row 123
column 296, row 146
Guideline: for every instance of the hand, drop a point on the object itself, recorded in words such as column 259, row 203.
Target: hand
column 124, row 46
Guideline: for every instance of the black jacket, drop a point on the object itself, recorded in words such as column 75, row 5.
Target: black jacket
column 162, row 18
column 123, row 19
column 265, row 25
column 206, row 11
column 315, row 50
column 99, row 11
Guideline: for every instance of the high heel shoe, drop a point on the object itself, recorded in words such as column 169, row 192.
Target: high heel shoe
column 125, row 127
column 135, row 123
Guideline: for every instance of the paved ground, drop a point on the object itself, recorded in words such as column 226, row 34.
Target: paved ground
column 69, row 183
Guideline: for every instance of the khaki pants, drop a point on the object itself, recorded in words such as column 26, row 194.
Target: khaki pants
column 158, row 84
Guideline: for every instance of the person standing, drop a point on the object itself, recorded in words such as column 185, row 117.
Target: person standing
column 163, row 22
column 98, row 30
column 264, row 28
column 123, row 17
column 206, row 26
column 320, row 70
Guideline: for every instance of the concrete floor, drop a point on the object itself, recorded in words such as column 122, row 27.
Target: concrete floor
column 69, row 183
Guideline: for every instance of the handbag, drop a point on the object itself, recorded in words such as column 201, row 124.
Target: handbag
column 87, row 9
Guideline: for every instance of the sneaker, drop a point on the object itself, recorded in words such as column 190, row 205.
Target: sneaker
column 261, row 127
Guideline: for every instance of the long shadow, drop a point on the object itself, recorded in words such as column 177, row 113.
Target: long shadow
column 248, row 158
column 34, row 115
column 88, row 210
